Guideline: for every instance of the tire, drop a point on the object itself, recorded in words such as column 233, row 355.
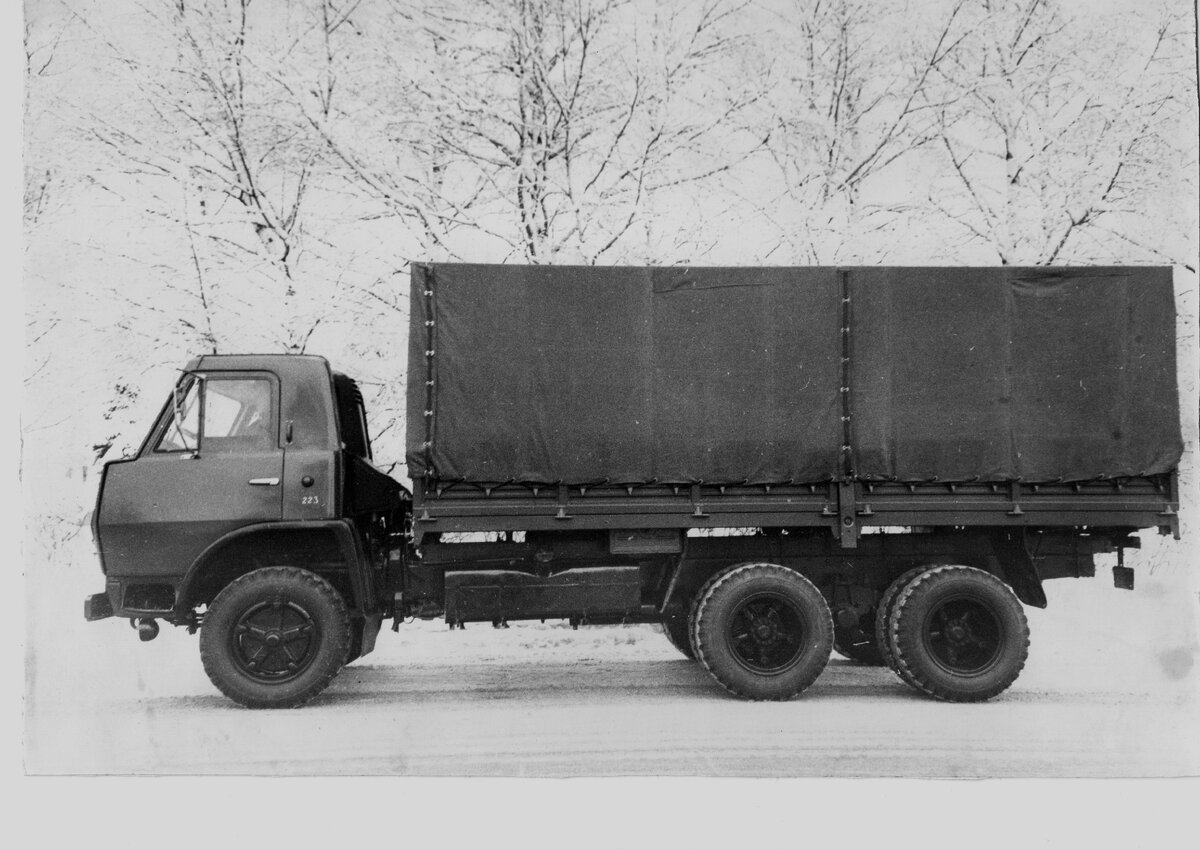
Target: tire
column 884, row 611
column 275, row 637
column 850, row 644
column 762, row 631
column 959, row 634
column 695, row 607
column 677, row 632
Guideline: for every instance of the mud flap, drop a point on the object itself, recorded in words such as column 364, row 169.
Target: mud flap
column 370, row 630
column 1017, row 566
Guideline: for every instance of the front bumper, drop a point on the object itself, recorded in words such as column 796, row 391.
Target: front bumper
column 97, row 606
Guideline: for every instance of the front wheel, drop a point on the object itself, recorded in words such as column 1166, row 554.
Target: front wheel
column 958, row 634
column 275, row 637
column 762, row 631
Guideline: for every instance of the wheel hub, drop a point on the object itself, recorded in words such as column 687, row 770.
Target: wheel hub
column 274, row 641
column 963, row 636
column 766, row 634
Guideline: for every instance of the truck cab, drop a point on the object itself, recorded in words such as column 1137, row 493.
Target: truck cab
column 254, row 461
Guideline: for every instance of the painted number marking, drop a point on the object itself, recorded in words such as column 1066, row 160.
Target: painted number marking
column 307, row 500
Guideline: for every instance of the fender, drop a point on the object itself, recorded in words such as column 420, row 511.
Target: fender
column 349, row 545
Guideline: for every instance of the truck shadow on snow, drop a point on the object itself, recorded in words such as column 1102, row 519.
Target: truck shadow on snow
column 563, row 683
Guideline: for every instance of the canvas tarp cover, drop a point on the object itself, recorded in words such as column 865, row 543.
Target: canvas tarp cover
column 585, row 375
column 1037, row 374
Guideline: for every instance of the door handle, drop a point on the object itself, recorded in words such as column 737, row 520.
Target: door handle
column 264, row 482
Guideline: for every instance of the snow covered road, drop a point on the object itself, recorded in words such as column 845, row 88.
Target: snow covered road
column 1110, row 690
column 626, row 718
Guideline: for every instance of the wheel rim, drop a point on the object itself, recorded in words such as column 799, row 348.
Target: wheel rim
column 767, row 634
column 963, row 635
column 275, row 641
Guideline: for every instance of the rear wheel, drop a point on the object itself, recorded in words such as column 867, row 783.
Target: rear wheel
column 275, row 637
column 884, row 611
column 762, row 631
column 959, row 634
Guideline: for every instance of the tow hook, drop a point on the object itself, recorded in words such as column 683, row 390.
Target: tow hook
column 147, row 629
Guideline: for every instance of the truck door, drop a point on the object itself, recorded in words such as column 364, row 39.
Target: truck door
column 202, row 474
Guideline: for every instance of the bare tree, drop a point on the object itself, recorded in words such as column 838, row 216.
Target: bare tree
column 539, row 128
column 207, row 145
column 205, row 216
column 44, row 36
column 1056, row 145
column 853, row 99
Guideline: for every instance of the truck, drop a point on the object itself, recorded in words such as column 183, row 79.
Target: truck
column 770, row 463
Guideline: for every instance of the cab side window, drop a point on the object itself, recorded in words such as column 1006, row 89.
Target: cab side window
column 238, row 415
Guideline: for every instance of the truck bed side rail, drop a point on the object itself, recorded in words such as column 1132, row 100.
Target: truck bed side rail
column 846, row 508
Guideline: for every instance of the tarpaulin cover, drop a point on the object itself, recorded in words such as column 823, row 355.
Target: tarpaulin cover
column 1037, row 374
column 583, row 375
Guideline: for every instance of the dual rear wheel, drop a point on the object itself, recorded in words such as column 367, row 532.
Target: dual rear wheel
column 956, row 633
column 763, row 631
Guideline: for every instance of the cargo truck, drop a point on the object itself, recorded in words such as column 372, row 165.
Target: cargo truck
column 769, row 462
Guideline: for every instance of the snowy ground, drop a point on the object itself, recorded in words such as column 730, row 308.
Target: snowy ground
column 1111, row 689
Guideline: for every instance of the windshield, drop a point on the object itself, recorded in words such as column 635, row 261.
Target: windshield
column 182, row 433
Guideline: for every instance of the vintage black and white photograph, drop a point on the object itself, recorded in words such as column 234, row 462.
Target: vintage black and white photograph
column 609, row 388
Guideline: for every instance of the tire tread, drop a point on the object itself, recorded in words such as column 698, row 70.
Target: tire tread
column 886, row 603
column 910, row 671
column 712, row 587
column 213, row 661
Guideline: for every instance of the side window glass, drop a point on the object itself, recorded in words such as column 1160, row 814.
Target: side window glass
column 237, row 415
column 183, row 434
